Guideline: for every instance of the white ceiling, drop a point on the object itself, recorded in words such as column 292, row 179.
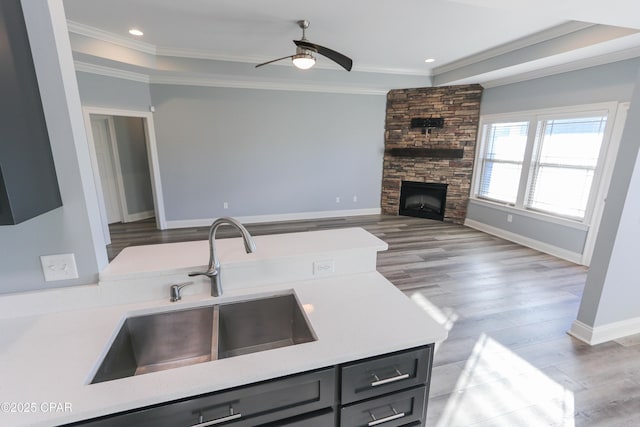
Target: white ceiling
column 387, row 36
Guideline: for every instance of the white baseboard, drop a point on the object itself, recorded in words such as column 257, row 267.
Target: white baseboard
column 604, row 333
column 139, row 216
column 256, row 219
column 526, row 241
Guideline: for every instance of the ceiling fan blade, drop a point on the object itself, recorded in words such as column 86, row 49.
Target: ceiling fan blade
column 274, row 60
column 344, row 61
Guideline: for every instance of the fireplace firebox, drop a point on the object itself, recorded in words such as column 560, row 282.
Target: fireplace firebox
column 423, row 199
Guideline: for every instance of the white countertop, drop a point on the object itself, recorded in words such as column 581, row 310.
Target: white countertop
column 47, row 360
column 141, row 261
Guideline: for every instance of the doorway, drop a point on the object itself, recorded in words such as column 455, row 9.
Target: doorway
column 125, row 166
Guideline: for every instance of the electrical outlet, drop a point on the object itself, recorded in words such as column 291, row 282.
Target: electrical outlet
column 509, row 218
column 325, row 266
column 59, row 267
column 355, row 199
column 225, row 205
column 337, row 199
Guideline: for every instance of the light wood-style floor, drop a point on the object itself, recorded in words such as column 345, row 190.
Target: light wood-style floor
column 508, row 360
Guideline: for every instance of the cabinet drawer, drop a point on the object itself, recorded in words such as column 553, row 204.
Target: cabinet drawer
column 248, row 406
column 318, row 419
column 385, row 374
column 397, row 409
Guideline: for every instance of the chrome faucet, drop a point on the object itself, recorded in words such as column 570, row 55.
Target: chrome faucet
column 213, row 272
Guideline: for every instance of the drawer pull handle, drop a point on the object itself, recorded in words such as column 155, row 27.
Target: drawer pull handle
column 396, row 415
column 399, row 377
column 229, row 417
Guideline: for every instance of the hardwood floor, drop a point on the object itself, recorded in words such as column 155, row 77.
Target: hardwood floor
column 508, row 360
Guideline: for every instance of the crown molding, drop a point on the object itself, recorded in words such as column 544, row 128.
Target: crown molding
column 205, row 54
column 524, row 42
column 212, row 82
column 521, row 77
column 106, row 36
column 565, row 68
column 111, row 72
column 387, row 70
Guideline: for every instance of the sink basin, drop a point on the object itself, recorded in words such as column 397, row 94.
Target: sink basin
column 168, row 340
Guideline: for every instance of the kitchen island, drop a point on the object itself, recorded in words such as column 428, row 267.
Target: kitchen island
column 49, row 354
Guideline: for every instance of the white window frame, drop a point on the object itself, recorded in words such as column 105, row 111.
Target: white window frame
column 533, row 117
column 481, row 161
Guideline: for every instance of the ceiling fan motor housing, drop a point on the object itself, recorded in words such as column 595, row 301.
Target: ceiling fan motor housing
column 305, row 50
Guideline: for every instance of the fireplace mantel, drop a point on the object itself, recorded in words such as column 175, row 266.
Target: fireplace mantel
column 438, row 153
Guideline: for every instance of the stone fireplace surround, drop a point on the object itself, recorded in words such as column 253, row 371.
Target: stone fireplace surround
column 411, row 155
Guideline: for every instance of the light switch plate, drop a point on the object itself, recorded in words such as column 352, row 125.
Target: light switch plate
column 59, row 267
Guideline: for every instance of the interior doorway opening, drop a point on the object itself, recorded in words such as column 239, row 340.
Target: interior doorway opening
column 125, row 166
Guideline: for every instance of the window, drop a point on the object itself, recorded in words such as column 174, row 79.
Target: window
column 545, row 163
column 564, row 165
column 502, row 161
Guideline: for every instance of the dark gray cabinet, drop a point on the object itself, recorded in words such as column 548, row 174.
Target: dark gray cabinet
column 388, row 391
column 28, row 183
column 317, row 419
column 254, row 405
column 394, row 410
column 385, row 374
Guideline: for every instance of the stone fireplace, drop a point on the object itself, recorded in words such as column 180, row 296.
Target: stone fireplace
column 438, row 156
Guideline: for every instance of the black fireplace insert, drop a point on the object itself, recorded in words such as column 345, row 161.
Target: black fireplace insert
column 423, row 199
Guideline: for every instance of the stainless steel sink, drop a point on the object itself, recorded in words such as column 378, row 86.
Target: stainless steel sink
column 262, row 324
column 168, row 340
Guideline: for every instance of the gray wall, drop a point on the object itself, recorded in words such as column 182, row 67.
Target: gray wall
column 69, row 228
column 134, row 163
column 103, row 91
column 611, row 82
column 554, row 234
column 612, row 292
column 266, row 151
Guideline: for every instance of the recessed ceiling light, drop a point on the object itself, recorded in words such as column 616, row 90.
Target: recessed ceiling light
column 136, row 32
column 429, row 60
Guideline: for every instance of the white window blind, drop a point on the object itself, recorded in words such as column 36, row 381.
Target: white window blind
column 544, row 161
column 505, row 145
column 565, row 157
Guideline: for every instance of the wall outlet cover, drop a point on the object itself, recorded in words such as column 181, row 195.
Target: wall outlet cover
column 325, row 266
column 59, row 267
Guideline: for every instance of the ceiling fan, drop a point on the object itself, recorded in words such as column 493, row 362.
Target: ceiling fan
column 304, row 58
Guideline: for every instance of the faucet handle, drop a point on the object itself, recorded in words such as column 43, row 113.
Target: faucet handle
column 209, row 273
column 214, row 276
column 175, row 291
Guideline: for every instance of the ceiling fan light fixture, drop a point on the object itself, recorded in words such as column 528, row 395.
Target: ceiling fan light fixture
column 305, row 50
column 303, row 61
